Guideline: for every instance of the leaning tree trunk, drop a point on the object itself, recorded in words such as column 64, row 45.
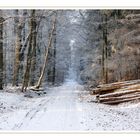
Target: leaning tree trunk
column 29, row 54
column 1, row 51
column 46, row 55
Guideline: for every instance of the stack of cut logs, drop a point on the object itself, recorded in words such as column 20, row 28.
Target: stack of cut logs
column 119, row 92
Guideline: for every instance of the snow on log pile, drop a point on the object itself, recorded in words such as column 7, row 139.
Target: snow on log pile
column 119, row 92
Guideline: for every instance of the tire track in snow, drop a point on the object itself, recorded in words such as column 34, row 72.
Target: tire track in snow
column 30, row 114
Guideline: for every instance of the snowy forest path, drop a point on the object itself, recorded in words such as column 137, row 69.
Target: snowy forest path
column 64, row 108
column 60, row 109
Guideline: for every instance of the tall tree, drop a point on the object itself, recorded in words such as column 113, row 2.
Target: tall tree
column 105, row 47
column 33, row 62
column 1, row 50
column 18, row 46
column 54, row 56
column 31, row 49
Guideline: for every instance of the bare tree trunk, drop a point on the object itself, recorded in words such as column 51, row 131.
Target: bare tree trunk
column 18, row 47
column 105, row 51
column 103, row 55
column 30, row 53
column 33, row 62
column 1, row 51
column 54, row 55
column 25, row 41
column 51, row 59
column 46, row 55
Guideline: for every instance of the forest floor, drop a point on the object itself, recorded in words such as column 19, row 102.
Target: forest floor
column 65, row 108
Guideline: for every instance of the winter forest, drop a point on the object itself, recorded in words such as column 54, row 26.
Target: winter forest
column 70, row 70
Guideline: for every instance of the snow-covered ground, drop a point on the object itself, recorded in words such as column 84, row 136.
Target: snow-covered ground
column 65, row 108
